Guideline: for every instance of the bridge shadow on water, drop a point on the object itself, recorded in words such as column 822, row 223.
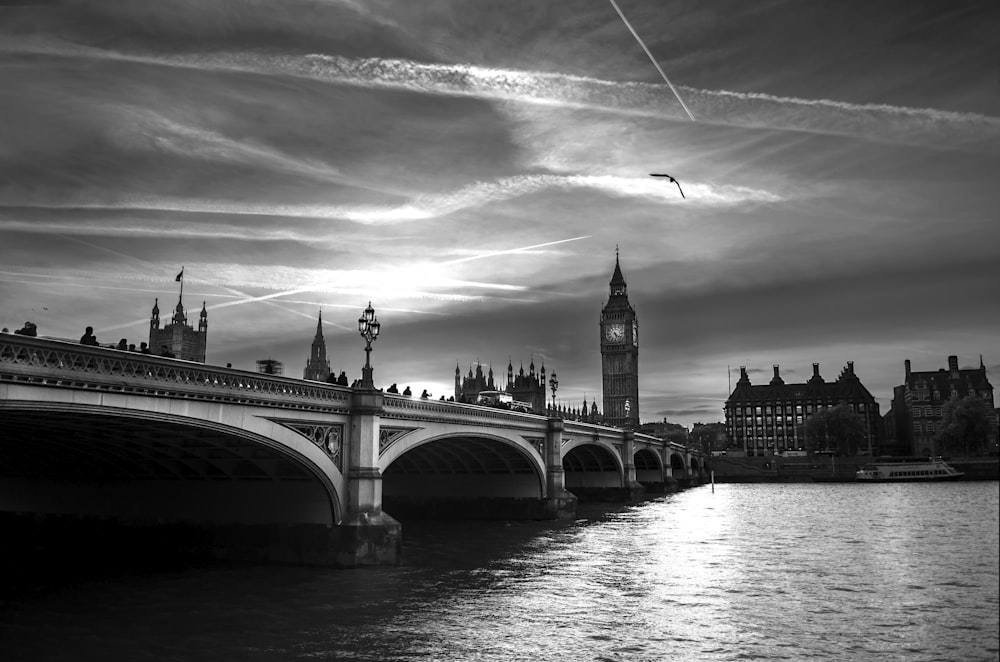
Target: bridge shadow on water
column 43, row 555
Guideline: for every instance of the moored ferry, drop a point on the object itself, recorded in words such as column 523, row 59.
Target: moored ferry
column 907, row 469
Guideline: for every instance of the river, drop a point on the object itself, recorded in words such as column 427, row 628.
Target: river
column 749, row 571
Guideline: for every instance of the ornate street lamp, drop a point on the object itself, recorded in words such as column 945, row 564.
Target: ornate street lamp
column 554, row 385
column 368, row 327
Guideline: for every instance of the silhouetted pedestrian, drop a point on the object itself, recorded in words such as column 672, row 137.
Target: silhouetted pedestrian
column 425, row 394
column 122, row 345
column 131, row 347
column 165, row 352
column 393, row 388
column 407, row 391
column 144, row 348
column 29, row 329
column 342, row 380
column 88, row 337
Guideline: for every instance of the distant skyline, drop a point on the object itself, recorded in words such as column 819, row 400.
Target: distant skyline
column 470, row 168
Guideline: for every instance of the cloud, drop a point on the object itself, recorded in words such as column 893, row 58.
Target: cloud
column 421, row 207
column 877, row 122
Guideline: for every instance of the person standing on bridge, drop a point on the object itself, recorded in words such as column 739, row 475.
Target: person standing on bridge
column 88, row 337
column 29, row 329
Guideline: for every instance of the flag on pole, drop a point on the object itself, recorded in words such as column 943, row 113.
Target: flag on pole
column 180, row 276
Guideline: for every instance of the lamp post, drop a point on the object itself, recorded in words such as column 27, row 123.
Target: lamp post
column 554, row 385
column 368, row 327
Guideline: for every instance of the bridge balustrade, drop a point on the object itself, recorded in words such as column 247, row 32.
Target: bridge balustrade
column 64, row 364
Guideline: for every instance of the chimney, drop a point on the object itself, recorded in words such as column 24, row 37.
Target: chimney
column 776, row 380
column 953, row 366
column 815, row 379
column 907, row 364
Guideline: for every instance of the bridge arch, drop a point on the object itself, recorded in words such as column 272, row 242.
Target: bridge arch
column 461, row 464
column 137, row 458
column 592, row 464
column 648, row 466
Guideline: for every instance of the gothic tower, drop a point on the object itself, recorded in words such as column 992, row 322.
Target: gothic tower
column 179, row 339
column 317, row 366
column 620, row 355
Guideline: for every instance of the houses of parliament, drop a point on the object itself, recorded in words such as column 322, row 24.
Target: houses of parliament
column 619, row 343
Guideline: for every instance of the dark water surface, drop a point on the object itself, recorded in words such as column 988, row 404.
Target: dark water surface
column 773, row 572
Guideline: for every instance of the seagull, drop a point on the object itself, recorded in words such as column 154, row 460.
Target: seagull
column 654, row 174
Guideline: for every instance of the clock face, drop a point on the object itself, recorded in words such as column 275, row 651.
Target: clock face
column 614, row 332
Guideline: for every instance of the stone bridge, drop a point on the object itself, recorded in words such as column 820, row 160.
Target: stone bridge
column 310, row 469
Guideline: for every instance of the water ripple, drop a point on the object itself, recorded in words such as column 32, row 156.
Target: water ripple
column 797, row 572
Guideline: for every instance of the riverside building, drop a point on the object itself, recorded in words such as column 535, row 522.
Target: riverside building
column 915, row 419
column 766, row 419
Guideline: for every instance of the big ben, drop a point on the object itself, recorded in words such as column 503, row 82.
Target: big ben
column 620, row 356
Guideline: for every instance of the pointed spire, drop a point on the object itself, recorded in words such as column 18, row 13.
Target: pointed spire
column 617, row 284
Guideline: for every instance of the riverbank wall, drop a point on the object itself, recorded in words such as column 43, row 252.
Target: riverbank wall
column 816, row 469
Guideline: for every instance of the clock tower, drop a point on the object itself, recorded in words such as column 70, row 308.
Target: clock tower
column 620, row 356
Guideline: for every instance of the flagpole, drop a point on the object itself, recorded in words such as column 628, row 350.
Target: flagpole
column 181, row 299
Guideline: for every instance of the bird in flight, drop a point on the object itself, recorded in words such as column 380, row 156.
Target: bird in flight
column 654, row 174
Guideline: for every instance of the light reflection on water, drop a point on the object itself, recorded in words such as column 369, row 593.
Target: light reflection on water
column 824, row 571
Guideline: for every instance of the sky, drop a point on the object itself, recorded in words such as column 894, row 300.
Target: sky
column 471, row 168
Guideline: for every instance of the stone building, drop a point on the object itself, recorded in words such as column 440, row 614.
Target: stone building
column 523, row 387
column 179, row 338
column 768, row 418
column 915, row 419
column 317, row 365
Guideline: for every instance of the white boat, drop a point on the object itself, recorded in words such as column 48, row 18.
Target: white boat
column 907, row 469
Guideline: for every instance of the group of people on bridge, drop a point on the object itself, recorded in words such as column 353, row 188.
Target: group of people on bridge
column 88, row 338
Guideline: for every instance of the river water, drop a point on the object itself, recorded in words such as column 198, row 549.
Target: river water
column 773, row 572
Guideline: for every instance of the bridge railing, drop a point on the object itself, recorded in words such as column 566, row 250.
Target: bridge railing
column 61, row 364
column 408, row 407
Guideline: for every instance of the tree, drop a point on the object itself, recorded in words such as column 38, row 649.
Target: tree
column 839, row 429
column 966, row 425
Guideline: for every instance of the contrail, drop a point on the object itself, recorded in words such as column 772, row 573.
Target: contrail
column 513, row 250
column 651, row 58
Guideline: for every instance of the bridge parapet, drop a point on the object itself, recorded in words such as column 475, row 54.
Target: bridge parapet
column 410, row 408
column 64, row 364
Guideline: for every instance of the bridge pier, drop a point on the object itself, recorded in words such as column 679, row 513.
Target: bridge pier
column 559, row 503
column 632, row 489
column 366, row 535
